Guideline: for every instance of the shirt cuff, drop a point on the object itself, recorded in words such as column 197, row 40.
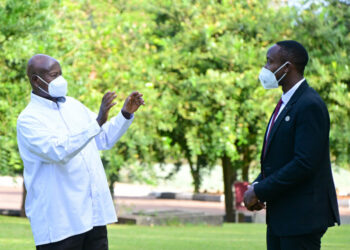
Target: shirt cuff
column 127, row 115
column 258, row 192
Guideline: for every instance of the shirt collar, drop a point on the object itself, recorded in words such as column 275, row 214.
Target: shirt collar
column 286, row 96
column 42, row 101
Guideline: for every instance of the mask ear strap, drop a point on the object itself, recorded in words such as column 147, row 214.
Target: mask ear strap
column 42, row 80
column 44, row 90
column 281, row 67
column 41, row 87
column 282, row 77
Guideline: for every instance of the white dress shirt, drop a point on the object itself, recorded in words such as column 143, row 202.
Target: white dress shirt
column 286, row 97
column 67, row 190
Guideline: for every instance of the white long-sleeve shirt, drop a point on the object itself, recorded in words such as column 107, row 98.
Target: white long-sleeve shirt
column 67, row 190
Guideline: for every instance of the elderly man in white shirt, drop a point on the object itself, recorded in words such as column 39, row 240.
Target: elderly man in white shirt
column 68, row 201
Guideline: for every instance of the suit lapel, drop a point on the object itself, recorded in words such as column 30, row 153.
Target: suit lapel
column 264, row 143
column 284, row 112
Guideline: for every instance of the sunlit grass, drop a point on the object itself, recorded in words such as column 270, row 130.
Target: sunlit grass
column 15, row 233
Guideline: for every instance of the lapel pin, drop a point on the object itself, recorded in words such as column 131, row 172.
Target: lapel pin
column 287, row 118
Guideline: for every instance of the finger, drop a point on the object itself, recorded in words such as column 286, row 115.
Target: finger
column 106, row 97
column 134, row 94
column 257, row 207
column 140, row 99
column 252, row 202
column 107, row 94
column 138, row 102
column 110, row 93
column 111, row 105
column 260, row 205
column 260, row 208
column 110, row 98
column 250, row 208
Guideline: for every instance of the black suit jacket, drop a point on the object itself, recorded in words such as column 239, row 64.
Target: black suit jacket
column 296, row 179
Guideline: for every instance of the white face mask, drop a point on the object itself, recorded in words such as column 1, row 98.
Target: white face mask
column 56, row 88
column 268, row 78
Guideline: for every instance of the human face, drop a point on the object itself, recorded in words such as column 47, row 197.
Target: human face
column 274, row 62
column 47, row 72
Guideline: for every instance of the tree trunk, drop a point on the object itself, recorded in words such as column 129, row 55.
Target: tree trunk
column 247, row 158
column 245, row 172
column 112, row 178
column 195, row 177
column 195, row 172
column 229, row 176
column 24, row 194
column 111, row 188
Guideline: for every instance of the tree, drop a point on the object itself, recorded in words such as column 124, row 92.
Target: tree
column 325, row 30
column 16, row 46
column 210, row 54
column 197, row 63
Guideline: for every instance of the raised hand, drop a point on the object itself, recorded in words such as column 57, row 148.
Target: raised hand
column 106, row 104
column 133, row 102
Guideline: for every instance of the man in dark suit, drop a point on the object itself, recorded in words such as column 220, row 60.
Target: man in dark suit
column 296, row 181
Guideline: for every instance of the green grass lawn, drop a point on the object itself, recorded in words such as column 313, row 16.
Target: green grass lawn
column 15, row 233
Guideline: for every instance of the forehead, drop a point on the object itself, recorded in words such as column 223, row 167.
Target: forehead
column 47, row 66
column 54, row 66
column 274, row 52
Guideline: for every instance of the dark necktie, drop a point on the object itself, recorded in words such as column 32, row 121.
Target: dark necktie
column 277, row 109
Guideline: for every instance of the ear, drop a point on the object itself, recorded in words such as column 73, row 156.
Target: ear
column 34, row 80
column 288, row 67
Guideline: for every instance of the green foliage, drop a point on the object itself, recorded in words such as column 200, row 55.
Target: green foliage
column 326, row 34
column 21, row 23
column 196, row 62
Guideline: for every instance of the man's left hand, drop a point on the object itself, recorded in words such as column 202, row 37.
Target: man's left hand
column 250, row 199
column 133, row 102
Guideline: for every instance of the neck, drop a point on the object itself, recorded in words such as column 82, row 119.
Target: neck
column 289, row 83
column 43, row 95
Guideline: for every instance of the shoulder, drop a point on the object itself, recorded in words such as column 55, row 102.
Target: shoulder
column 71, row 100
column 27, row 119
column 311, row 98
column 76, row 105
column 310, row 104
column 28, row 113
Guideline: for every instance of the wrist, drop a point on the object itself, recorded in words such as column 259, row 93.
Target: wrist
column 126, row 114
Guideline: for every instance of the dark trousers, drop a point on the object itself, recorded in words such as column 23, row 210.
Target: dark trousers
column 298, row 242
column 95, row 239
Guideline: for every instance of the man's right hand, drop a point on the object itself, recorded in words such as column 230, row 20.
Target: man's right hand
column 106, row 104
column 251, row 202
column 257, row 207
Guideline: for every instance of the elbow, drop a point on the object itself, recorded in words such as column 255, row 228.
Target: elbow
column 56, row 157
column 308, row 167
